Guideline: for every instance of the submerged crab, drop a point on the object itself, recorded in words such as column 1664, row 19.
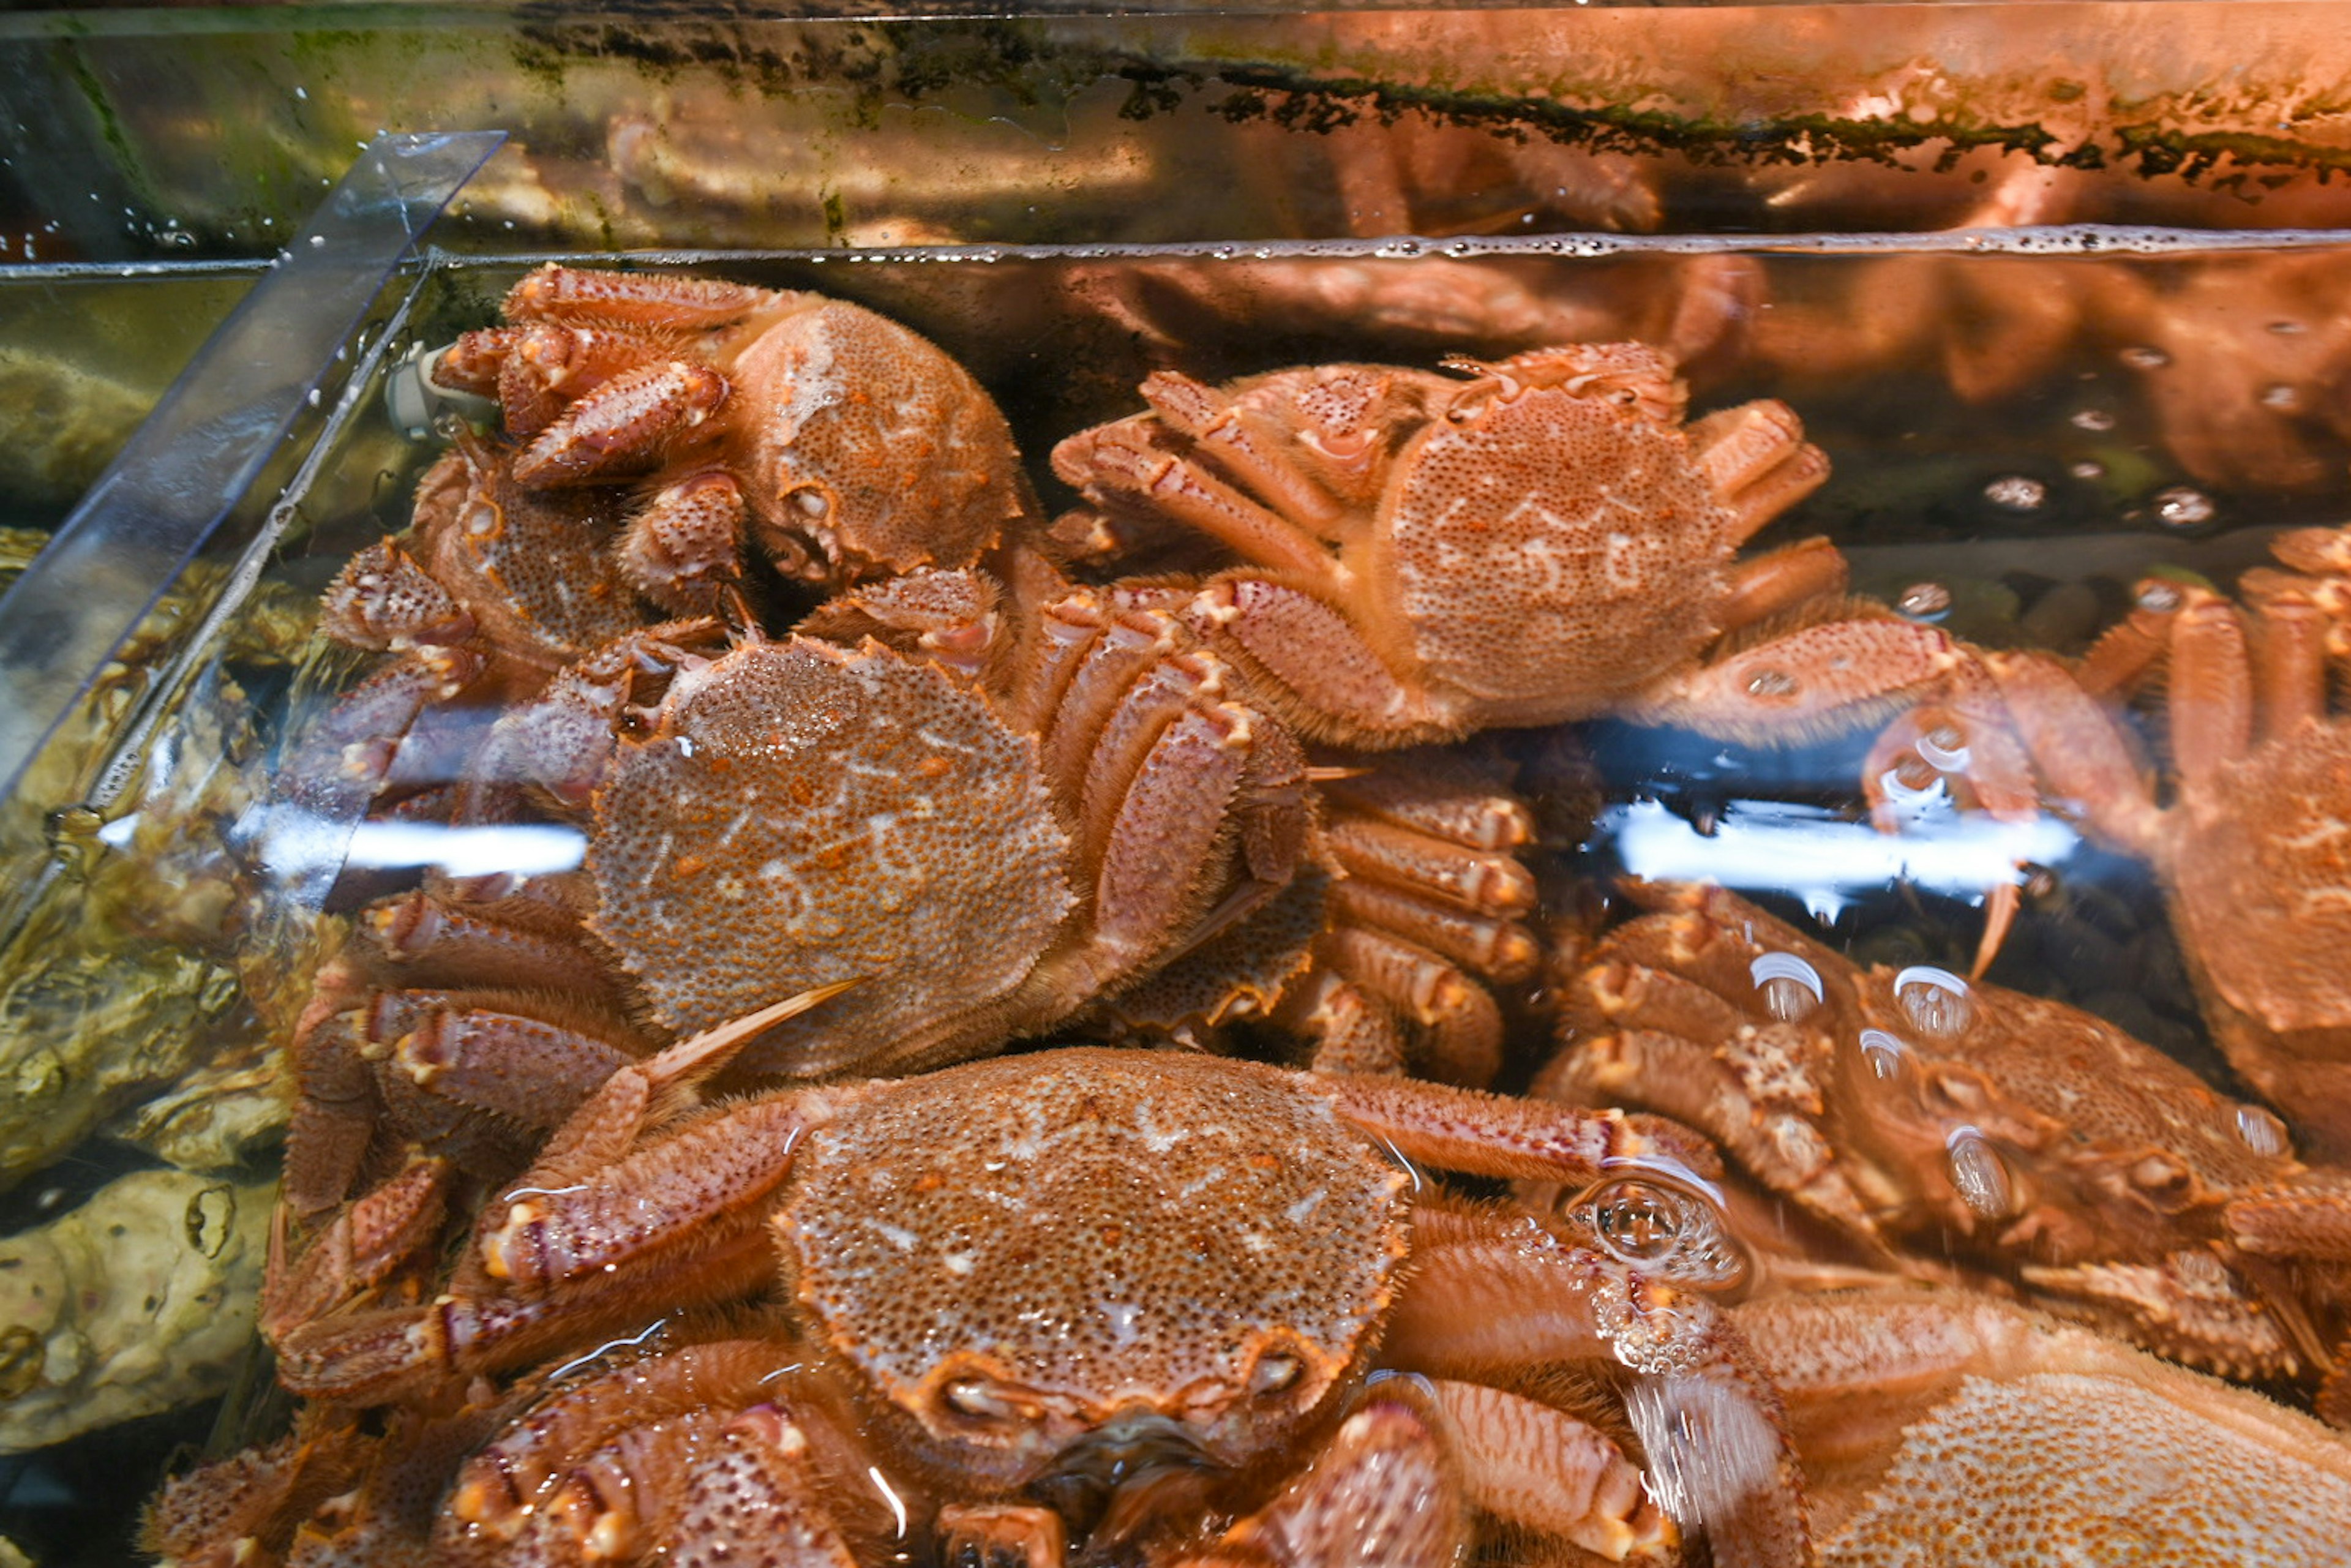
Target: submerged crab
column 2253, row 850
column 1080, row 1305
column 1942, row 1429
column 491, row 589
column 1911, row 1108
column 842, row 443
column 1541, row 540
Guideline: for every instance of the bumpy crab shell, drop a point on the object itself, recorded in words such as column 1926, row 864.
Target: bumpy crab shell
column 803, row 814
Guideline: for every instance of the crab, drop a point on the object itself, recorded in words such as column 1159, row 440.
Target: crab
column 1082, row 1305
column 1912, row 1110
column 492, row 589
column 1948, row 1428
column 1536, row 540
column 2250, row 849
column 842, row 444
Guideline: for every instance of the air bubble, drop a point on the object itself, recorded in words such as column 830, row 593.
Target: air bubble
column 1929, row 602
column 1980, row 1174
column 2016, row 493
column 2262, row 1133
column 2283, row 396
column 1934, row 1000
column 1659, row 1229
column 2142, row 357
column 1944, row 748
column 1771, row 683
column 2158, row 598
column 2287, row 328
column 1884, row 1053
column 2093, row 419
column 2088, row 468
column 2184, row 506
column 1792, row 987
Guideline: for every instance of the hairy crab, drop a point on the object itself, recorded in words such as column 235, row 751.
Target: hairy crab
column 1946, row 1428
column 493, row 589
column 1074, row 1306
column 1910, row 1108
column 1530, row 541
column 2252, row 849
column 842, row 444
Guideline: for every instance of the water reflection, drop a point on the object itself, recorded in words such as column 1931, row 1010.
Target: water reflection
column 1823, row 858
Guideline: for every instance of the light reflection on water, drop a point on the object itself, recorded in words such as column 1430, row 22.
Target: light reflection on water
column 1824, row 859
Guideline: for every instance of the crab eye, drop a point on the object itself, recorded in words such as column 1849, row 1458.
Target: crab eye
column 1276, row 1374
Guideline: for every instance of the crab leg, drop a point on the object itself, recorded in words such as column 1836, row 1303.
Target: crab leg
column 1485, row 1135
column 1719, row 1455
column 1384, row 1487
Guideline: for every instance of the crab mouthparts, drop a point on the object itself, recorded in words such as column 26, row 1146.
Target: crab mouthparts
column 1112, row 1482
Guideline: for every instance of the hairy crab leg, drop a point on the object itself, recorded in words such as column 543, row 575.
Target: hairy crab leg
column 1717, row 1450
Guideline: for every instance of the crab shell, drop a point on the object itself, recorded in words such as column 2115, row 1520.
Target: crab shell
column 1128, row 1250
column 802, row 814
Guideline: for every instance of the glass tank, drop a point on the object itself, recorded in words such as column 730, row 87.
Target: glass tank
column 1941, row 571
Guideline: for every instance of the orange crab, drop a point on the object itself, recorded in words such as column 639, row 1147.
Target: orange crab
column 842, row 444
column 1535, row 540
column 1082, row 1306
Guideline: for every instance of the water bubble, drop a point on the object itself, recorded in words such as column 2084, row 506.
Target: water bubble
column 2093, row 419
column 1929, row 602
column 1936, row 1001
column 1980, row 1174
column 2184, row 506
column 2142, row 357
column 1944, row 748
column 1791, row 988
column 1884, row 1053
column 2262, row 1133
column 2283, row 396
column 2088, row 468
column 2016, row 493
column 1771, row 683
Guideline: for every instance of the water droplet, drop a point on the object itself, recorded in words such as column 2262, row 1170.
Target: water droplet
column 1884, row 1054
column 2262, row 1133
column 2016, row 493
column 1936, row 1001
column 2184, row 506
column 1980, row 1174
column 1791, row 988
column 2088, row 468
column 1928, row 601
column 2142, row 357
column 1771, row 683
column 2282, row 395
column 2093, row 419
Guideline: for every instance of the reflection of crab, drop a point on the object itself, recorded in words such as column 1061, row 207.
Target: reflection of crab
column 843, row 442
column 2252, row 850
column 1429, row 555
column 1911, row 1108
column 1942, row 1428
column 1071, row 1305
